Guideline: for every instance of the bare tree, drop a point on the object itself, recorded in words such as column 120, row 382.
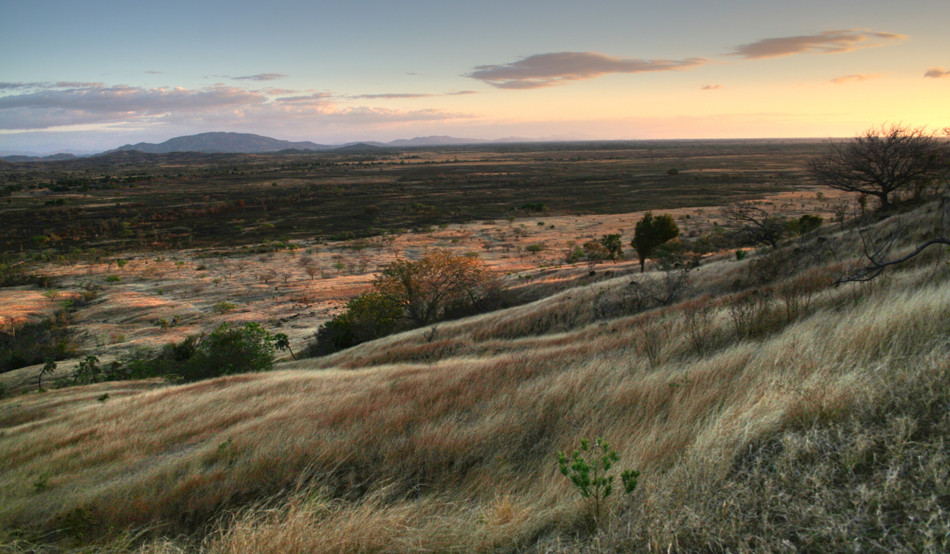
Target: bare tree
column 753, row 224
column 878, row 254
column 882, row 162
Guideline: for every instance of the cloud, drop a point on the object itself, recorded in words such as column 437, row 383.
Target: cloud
column 401, row 95
column 76, row 84
column 278, row 91
column 826, row 42
column 558, row 68
column 851, row 78
column 56, row 107
column 260, row 77
column 937, row 73
column 392, row 95
column 60, row 84
column 154, row 72
column 711, row 87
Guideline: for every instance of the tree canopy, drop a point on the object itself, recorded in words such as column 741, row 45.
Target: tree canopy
column 650, row 233
column 427, row 287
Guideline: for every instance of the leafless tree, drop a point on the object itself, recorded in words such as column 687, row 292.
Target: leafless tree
column 753, row 224
column 882, row 162
column 878, row 252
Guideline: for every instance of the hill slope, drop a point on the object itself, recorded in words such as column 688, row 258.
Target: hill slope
column 799, row 416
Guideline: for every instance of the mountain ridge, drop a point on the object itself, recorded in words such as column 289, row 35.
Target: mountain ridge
column 216, row 142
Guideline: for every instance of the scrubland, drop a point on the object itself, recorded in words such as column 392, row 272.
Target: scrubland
column 768, row 409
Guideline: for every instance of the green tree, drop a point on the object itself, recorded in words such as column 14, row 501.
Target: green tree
column 614, row 246
column 427, row 288
column 650, row 233
column 282, row 342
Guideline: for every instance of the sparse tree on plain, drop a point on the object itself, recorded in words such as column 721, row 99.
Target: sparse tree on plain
column 650, row 233
column 884, row 161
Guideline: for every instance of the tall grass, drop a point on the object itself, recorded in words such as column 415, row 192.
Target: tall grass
column 779, row 439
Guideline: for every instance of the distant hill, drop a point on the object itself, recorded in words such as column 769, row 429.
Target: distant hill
column 441, row 140
column 360, row 147
column 53, row 158
column 247, row 143
column 217, row 142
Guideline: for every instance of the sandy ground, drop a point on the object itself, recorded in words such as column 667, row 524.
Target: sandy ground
column 277, row 290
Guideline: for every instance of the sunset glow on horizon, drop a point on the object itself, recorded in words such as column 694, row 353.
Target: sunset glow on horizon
column 94, row 75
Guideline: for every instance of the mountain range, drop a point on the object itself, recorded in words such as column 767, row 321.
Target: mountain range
column 248, row 143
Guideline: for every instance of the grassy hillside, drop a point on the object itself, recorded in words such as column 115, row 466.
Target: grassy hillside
column 769, row 410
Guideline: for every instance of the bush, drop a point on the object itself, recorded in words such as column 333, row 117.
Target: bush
column 228, row 350
column 368, row 316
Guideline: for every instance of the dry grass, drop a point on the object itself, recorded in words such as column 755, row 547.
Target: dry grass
column 449, row 444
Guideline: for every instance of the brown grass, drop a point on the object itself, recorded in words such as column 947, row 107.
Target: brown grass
column 450, row 445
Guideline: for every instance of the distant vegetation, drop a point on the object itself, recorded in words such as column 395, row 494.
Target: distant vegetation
column 83, row 208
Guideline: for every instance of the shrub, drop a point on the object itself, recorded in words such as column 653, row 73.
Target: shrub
column 368, row 316
column 227, row 350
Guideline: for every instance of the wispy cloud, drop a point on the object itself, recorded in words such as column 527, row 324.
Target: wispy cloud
column 61, row 106
column 260, row 77
column 826, row 42
column 853, row 78
column 392, row 96
column 558, row 68
column 711, row 87
column 279, row 91
column 47, row 85
column 154, row 72
column 401, row 95
column 937, row 73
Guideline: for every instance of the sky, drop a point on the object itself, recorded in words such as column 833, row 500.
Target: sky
column 92, row 75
